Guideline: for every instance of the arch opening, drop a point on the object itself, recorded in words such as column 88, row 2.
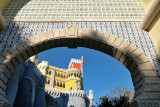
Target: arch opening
column 144, row 76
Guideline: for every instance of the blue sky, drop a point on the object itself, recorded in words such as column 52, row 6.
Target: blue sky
column 101, row 72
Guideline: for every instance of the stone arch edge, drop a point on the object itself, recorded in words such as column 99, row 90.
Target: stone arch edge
column 143, row 73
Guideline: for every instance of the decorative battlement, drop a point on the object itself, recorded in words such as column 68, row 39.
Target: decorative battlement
column 73, row 69
column 74, row 61
column 43, row 63
column 58, row 69
column 43, row 67
column 59, row 92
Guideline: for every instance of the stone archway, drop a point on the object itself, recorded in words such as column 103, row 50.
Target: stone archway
column 144, row 75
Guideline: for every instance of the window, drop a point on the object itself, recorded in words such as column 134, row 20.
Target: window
column 49, row 72
column 58, row 74
column 48, row 81
column 74, row 74
column 60, row 84
column 63, row 85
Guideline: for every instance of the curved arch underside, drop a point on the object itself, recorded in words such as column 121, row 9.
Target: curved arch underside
column 144, row 75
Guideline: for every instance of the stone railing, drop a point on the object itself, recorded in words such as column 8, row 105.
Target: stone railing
column 58, row 92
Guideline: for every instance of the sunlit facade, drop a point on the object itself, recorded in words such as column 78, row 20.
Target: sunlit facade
column 63, row 79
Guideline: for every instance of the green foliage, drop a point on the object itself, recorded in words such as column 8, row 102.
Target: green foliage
column 121, row 101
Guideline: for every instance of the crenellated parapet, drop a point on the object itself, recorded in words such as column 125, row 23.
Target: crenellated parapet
column 58, row 68
column 43, row 67
column 75, row 61
column 74, row 70
column 58, row 92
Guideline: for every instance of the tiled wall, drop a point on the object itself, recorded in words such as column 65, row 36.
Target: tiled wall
column 129, row 31
column 73, row 10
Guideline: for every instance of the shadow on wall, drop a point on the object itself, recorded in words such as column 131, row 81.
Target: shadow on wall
column 158, row 65
column 25, row 87
column 60, row 101
column 13, row 32
column 13, row 8
column 49, row 101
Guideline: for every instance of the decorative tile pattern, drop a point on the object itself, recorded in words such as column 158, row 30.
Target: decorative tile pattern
column 117, row 17
column 129, row 31
column 51, row 10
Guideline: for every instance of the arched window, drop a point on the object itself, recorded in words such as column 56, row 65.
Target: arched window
column 58, row 74
column 48, row 81
column 77, row 75
column 46, row 71
column 69, row 74
column 63, row 85
column 74, row 74
column 49, row 72
column 55, row 83
column 61, row 75
column 60, row 84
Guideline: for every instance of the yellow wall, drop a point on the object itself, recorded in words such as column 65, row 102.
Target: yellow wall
column 154, row 32
column 3, row 4
column 146, row 4
column 59, row 88
column 47, row 85
column 59, row 78
column 70, row 83
column 60, row 72
column 155, row 35
column 48, row 75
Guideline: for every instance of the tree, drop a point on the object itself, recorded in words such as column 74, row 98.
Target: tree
column 105, row 102
column 118, row 92
column 119, row 97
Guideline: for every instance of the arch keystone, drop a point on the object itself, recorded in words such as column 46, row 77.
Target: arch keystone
column 72, row 31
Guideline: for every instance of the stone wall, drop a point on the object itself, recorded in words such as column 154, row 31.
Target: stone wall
column 68, row 98
column 26, row 87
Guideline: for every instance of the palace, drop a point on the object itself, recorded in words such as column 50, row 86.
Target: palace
column 66, row 81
